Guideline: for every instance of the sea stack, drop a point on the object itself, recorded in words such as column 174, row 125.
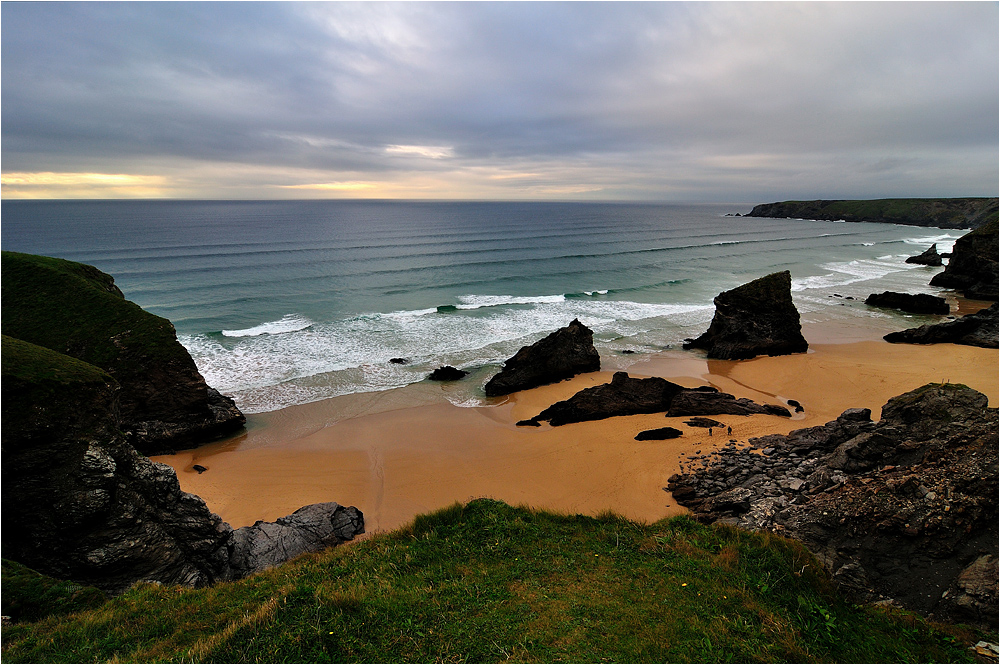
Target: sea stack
column 929, row 257
column 563, row 354
column 758, row 318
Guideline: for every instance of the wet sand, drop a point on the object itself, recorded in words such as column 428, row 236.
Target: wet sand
column 400, row 453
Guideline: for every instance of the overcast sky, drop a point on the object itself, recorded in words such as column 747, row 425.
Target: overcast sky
column 648, row 101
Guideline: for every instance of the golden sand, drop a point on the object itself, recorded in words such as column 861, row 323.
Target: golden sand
column 398, row 454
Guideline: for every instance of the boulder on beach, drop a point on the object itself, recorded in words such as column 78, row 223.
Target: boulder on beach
column 977, row 329
column 920, row 303
column 757, row 318
column 447, row 373
column 973, row 264
column 928, row 257
column 659, row 434
column 901, row 511
column 563, row 354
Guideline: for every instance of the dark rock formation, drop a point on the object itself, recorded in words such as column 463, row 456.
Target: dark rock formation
column 700, row 421
column 447, row 373
column 624, row 396
column 973, row 264
column 903, row 510
column 942, row 213
column 704, row 403
column 754, row 319
column 79, row 502
column 309, row 529
column 77, row 310
column 660, row 434
column 928, row 257
column 977, row 329
column 920, row 303
column 565, row 353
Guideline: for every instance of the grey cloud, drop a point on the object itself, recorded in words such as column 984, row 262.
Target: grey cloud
column 637, row 95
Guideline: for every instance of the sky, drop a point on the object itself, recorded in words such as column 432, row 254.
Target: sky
column 686, row 102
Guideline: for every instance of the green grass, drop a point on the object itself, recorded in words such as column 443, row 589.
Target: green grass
column 487, row 582
column 75, row 309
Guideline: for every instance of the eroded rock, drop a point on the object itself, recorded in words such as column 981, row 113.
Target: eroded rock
column 977, row 329
column 563, row 354
column 757, row 318
column 902, row 510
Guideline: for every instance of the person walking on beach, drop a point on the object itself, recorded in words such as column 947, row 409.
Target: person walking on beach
column 710, row 431
column 729, row 431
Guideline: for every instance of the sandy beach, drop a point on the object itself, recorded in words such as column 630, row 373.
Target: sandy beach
column 400, row 453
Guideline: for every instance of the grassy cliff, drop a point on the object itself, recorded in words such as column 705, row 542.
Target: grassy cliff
column 487, row 582
column 941, row 213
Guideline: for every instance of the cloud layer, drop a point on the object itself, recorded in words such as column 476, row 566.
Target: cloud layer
column 645, row 101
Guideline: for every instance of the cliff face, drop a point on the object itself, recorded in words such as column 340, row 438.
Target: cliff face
column 80, row 503
column 941, row 213
column 973, row 264
column 77, row 310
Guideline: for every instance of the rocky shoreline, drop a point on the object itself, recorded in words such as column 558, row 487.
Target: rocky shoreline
column 900, row 511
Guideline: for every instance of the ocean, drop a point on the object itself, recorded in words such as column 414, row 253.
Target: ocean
column 288, row 302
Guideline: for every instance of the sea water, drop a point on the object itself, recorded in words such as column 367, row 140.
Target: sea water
column 288, row 302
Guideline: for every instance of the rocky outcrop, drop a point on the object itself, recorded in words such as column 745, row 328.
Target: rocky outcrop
column 80, row 503
column 977, row 329
column 928, row 257
column 563, row 354
column 920, row 303
column 942, row 213
column 972, row 267
column 710, row 402
column 77, row 310
column 626, row 396
column 309, row 529
column 758, row 318
column 903, row 510
column 447, row 373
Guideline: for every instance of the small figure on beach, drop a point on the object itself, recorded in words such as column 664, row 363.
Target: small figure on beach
column 729, row 430
column 710, row 431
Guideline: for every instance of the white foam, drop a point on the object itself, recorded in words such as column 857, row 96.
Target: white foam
column 288, row 323
column 477, row 302
column 849, row 272
column 601, row 292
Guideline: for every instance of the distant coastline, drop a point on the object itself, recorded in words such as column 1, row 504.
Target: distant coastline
column 965, row 213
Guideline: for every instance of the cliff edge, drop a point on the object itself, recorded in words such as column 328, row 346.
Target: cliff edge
column 76, row 310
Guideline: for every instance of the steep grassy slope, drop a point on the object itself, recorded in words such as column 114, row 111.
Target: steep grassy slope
column 489, row 583
column 942, row 213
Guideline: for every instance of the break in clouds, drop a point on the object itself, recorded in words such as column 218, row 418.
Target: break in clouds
column 645, row 101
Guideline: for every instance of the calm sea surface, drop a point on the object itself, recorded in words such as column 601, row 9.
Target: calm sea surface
column 288, row 302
